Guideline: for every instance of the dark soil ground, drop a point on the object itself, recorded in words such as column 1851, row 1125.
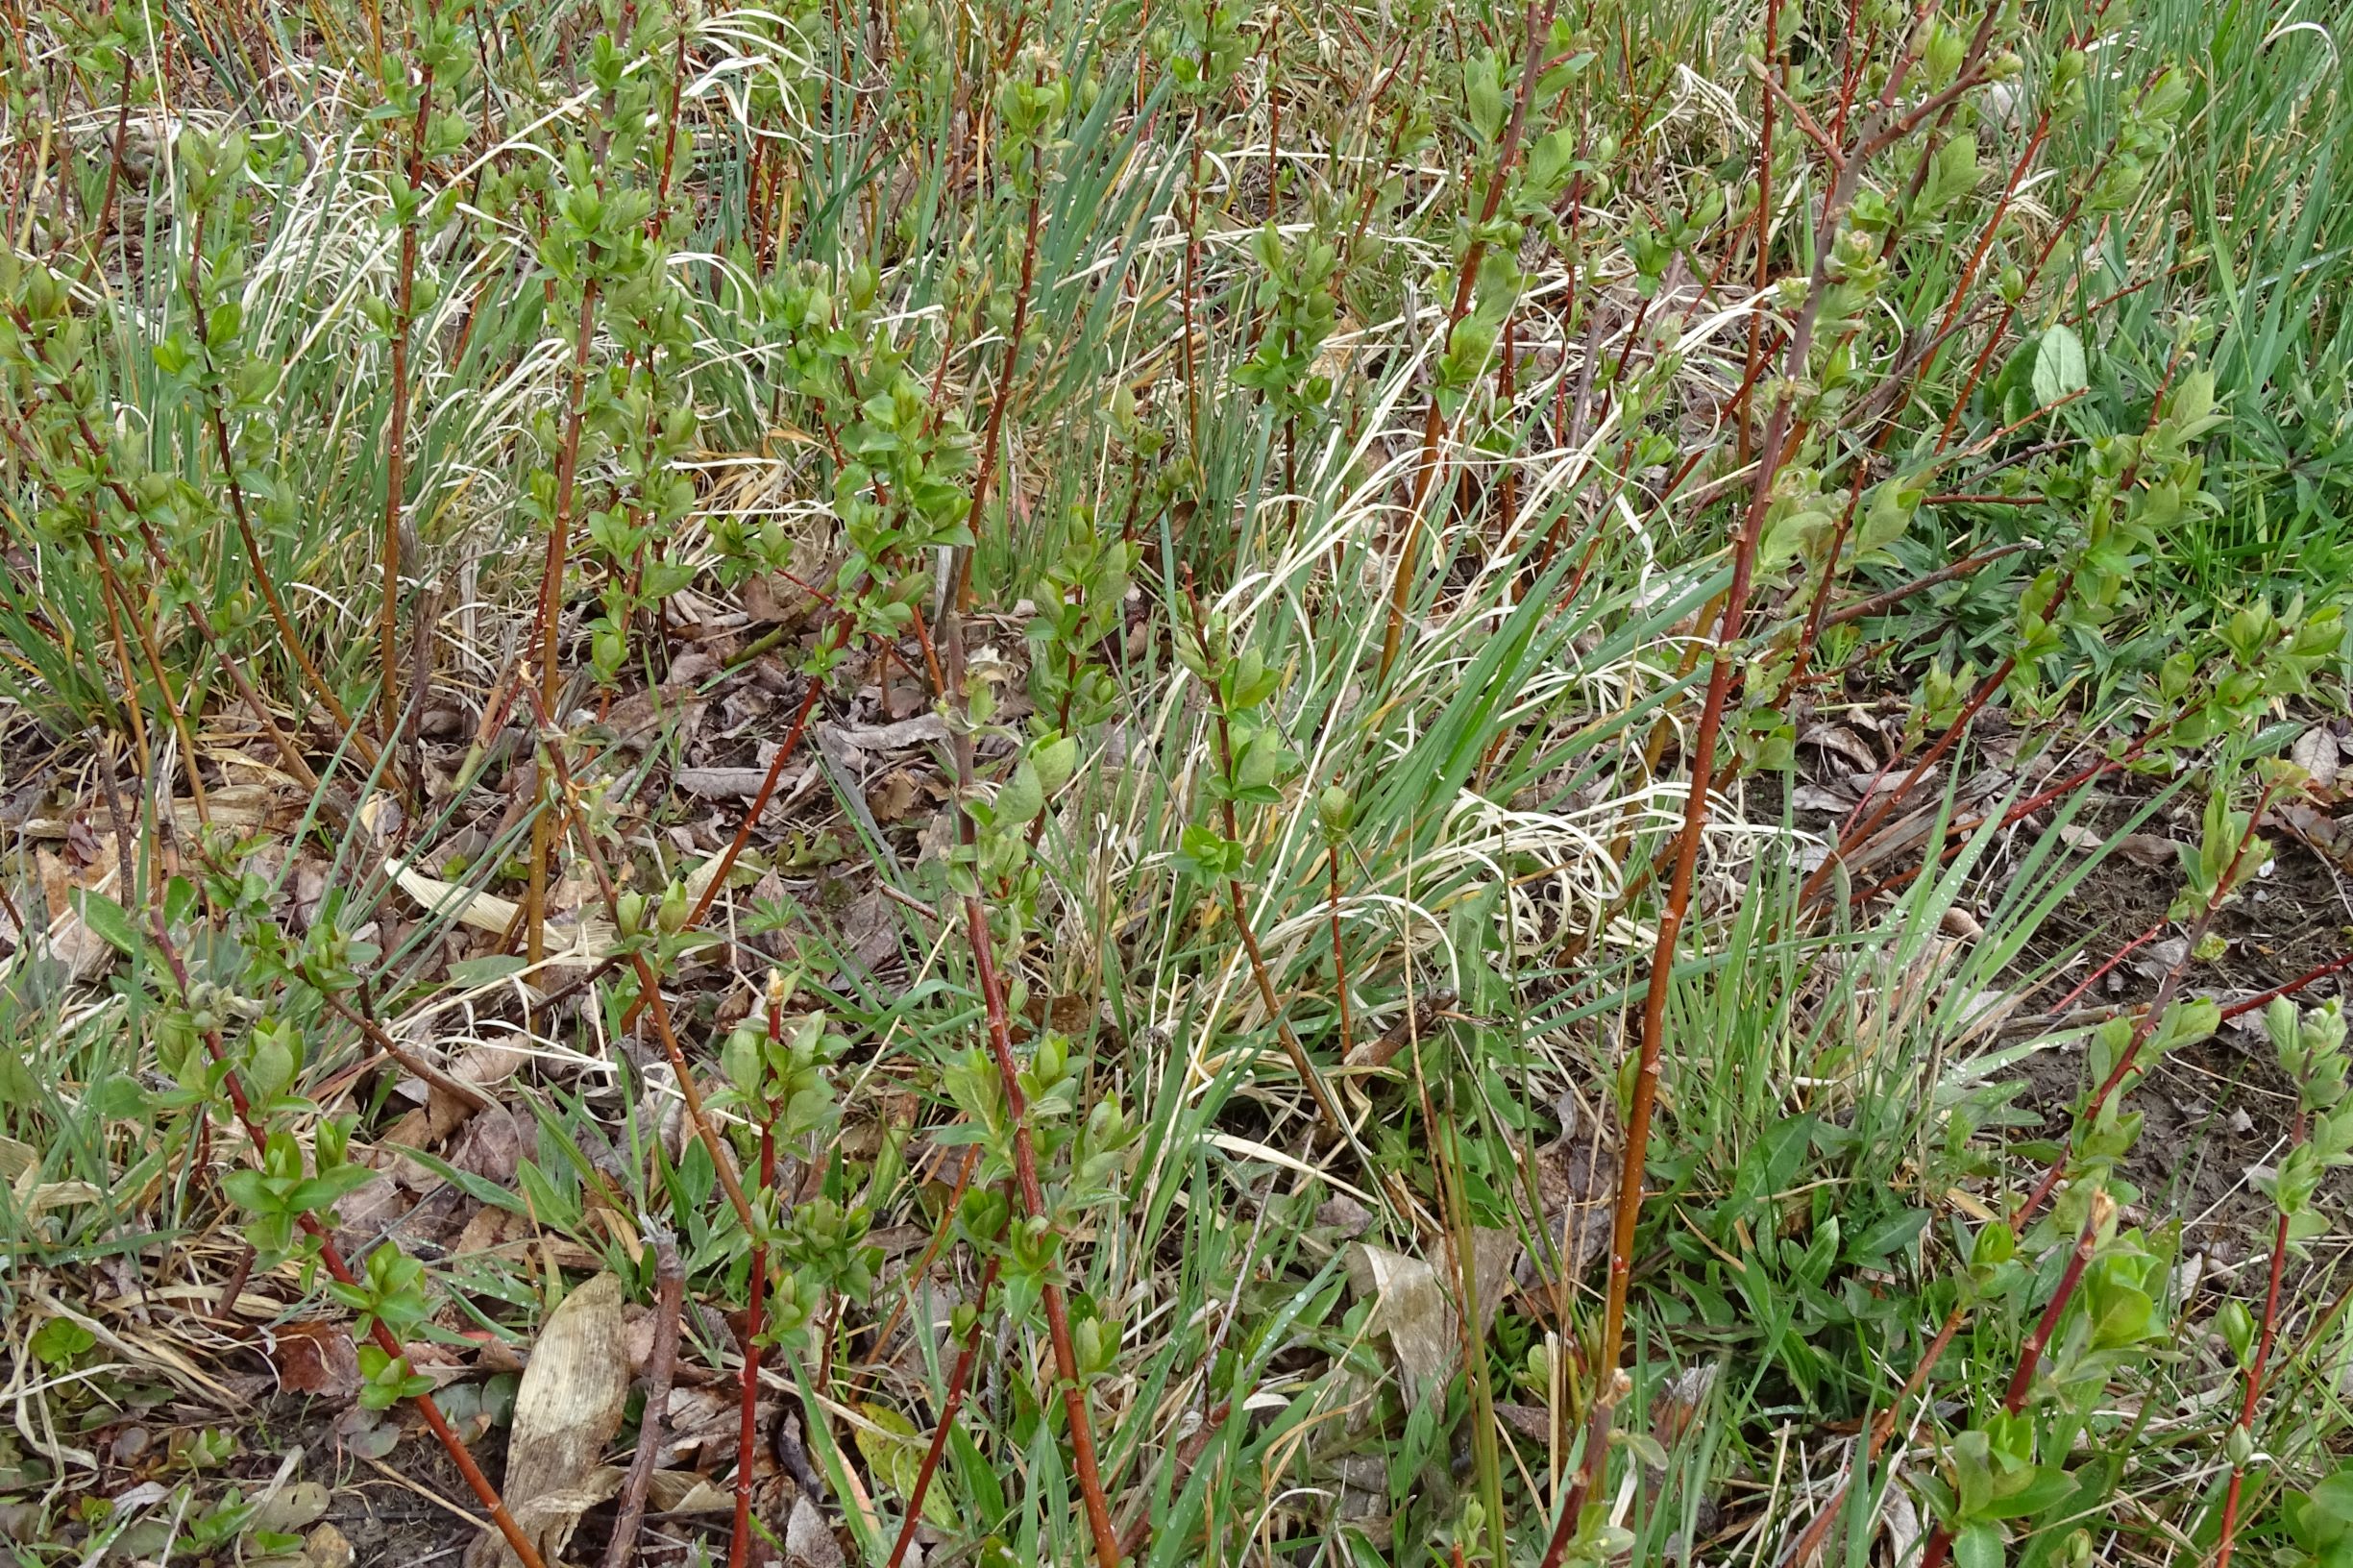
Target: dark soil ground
column 2211, row 1111
column 2217, row 1110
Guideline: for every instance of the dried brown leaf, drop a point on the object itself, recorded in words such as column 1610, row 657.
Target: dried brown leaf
column 568, row 1407
column 314, row 1357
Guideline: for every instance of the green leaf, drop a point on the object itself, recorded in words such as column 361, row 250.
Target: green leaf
column 1892, row 1234
column 1483, row 91
column 1022, row 795
column 2059, row 366
column 1887, row 513
column 2333, row 1499
column 1977, row 1546
column 1956, row 173
column 321, row 1192
column 468, row 973
column 249, row 1188
column 2039, row 1489
column 2127, row 1317
column 1206, row 852
column 60, row 1341
column 104, row 916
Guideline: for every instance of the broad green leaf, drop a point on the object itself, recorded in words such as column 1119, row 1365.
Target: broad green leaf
column 1977, row 1546
column 104, row 916
column 467, row 973
column 2059, row 366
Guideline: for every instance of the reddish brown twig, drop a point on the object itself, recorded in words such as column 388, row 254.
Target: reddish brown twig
column 1810, row 1540
column 2030, row 1354
column 670, row 1288
column 748, row 1425
column 288, row 752
column 2255, row 1370
column 2320, row 971
column 114, row 175
column 1301, row 1062
column 2094, row 977
column 1133, row 1533
column 1851, row 834
column 396, row 435
column 1024, row 1148
column 1879, row 603
column 319, row 688
column 768, row 787
column 993, row 439
column 1884, row 1427
column 416, row 1065
column 2167, row 989
column 551, row 607
column 1873, row 136
column 1434, row 418
column 649, row 984
column 958, row 1377
column 1763, row 223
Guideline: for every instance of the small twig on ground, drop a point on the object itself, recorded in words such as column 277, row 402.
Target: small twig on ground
column 416, row 1065
column 670, row 1288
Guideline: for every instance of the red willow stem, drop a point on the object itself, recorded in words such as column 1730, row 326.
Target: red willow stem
column 290, row 753
column 648, row 982
column 2097, row 975
column 2255, row 1369
column 1024, row 1148
column 767, row 782
column 1863, row 608
column 2025, row 808
column 114, row 177
column 1851, row 834
column 958, row 1380
column 1875, row 135
column 2342, row 961
column 655, row 221
column 747, row 1426
column 1433, row 420
column 551, row 604
column 2167, row 989
column 1003, row 398
column 1985, row 691
column 263, row 579
column 977, row 917
column 1811, row 1538
column 1301, row 1062
column 1764, row 227
column 2030, row 1354
column 287, row 750
column 395, row 436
